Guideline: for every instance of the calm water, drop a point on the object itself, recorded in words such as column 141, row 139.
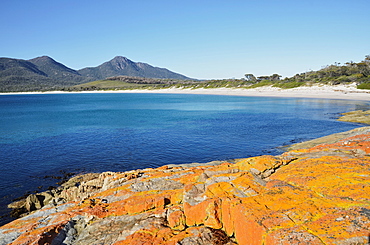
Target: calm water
column 40, row 135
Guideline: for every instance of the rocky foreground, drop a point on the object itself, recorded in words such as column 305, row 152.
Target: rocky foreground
column 317, row 195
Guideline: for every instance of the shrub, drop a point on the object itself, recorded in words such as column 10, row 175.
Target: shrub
column 289, row 85
column 343, row 79
column 364, row 85
column 261, row 84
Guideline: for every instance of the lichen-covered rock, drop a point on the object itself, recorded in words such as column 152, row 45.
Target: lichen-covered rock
column 316, row 195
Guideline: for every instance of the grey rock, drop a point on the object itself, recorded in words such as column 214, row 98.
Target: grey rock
column 206, row 236
column 33, row 202
column 66, row 235
column 223, row 172
column 47, row 211
column 156, row 184
column 190, row 165
column 219, row 179
column 113, row 229
column 355, row 240
column 196, row 194
column 6, row 236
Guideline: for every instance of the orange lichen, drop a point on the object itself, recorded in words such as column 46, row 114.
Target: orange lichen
column 44, row 235
column 176, row 220
column 319, row 195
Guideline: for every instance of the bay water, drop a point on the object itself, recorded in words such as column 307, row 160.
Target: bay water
column 43, row 136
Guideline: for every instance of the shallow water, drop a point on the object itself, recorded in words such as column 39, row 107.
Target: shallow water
column 40, row 135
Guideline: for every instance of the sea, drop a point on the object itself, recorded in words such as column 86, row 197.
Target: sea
column 43, row 137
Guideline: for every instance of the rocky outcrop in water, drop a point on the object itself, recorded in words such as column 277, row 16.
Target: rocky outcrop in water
column 317, row 195
column 358, row 116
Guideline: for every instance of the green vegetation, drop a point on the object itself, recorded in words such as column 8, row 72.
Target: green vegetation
column 338, row 74
column 287, row 85
column 113, row 85
column 126, row 82
column 37, row 76
column 364, row 85
column 350, row 72
column 106, row 84
column 261, row 84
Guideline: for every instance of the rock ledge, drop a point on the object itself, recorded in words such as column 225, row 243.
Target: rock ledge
column 317, row 195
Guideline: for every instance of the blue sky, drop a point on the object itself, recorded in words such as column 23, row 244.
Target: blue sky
column 198, row 38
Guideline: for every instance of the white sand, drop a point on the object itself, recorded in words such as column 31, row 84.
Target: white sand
column 348, row 92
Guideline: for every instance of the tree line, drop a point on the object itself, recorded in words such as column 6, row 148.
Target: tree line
column 332, row 74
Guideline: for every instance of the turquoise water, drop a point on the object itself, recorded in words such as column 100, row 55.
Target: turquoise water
column 42, row 135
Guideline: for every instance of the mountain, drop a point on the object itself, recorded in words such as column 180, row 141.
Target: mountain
column 11, row 67
column 21, row 75
column 44, row 73
column 41, row 73
column 121, row 66
column 58, row 71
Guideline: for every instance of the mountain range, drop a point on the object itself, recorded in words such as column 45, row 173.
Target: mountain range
column 44, row 73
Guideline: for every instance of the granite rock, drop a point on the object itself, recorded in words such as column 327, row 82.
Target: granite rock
column 314, row 195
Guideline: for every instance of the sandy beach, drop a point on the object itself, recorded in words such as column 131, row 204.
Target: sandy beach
column 346, row 92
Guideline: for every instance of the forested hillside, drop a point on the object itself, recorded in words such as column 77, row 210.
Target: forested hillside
column 39, row 74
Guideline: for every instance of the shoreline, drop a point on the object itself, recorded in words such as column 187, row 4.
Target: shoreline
column 179, row 203
column 342, row 92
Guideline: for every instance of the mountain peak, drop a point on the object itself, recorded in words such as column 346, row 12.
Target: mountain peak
column 120, row 62
column 54, row 69
column 120, row 58
column 122, row 66
column 45, row 61
column 42, row 58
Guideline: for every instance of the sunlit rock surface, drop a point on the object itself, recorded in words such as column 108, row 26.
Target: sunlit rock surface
column 358, row 116
column 317, row 195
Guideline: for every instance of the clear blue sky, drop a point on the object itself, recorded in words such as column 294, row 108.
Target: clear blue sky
column 198, row 38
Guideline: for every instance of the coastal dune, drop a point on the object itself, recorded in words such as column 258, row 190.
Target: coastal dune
column 347, row 92
column 314, row 195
